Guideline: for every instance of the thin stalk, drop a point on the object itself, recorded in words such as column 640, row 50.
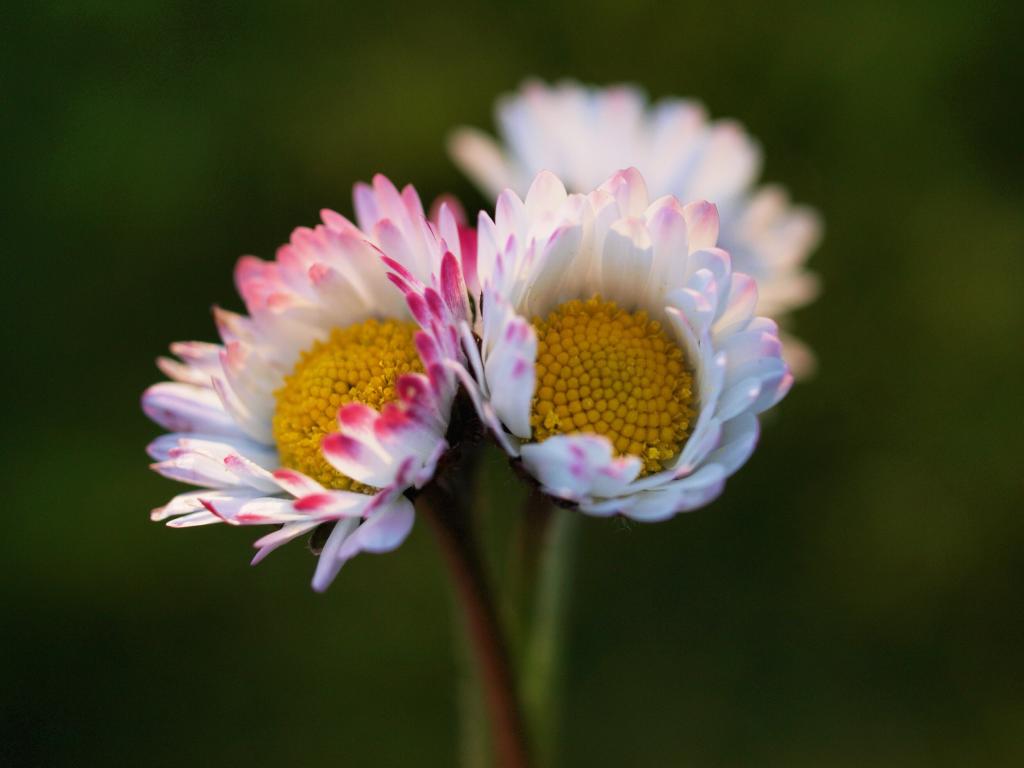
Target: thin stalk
column 542, row 668
column 523, row 565
column 474, row 745
column 453, row 526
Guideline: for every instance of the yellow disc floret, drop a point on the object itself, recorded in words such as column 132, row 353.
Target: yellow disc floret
column 603, row 370
column 357, row 364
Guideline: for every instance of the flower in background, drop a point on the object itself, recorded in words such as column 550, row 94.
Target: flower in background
column 325, row 403
column 619, row 353
column 585, row 134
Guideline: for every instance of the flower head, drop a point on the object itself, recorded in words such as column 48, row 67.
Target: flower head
column 324, row 403
column 585, row 134
column 619, row 354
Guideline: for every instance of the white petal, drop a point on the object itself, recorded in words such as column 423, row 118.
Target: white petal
column 330, row 563
column 626, row 262
column 283, row 535
column 186, row 408
column 383, row 531
column 702, row 224
column 479, row 156
column 739, row 438
column 576, row 466
column 510, row 372
column 736, row 312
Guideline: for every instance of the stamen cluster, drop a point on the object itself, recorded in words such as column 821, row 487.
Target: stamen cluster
column 603, row 370
column 357, row 364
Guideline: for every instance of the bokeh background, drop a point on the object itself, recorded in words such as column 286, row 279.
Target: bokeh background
column 853, row 599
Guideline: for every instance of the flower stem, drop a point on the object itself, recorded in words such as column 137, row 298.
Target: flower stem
column 454, row 529
column 541, row 676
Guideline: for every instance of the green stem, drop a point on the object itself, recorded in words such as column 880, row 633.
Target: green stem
column 541, row 680
column 522, row 568
column 474, row 737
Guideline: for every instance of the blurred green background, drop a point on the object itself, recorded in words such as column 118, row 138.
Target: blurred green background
column 853, row 599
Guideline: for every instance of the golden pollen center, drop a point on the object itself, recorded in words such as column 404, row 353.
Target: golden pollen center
column 357, row 364
column 603, row 370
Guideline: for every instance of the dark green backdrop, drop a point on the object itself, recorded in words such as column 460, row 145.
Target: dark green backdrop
column 854, row 598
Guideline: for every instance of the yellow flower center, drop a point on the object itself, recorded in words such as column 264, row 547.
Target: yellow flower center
column 603, row 370
column 357, row 364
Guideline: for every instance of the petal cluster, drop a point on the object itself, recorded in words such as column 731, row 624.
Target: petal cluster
column 219, row 404
column 584, row 134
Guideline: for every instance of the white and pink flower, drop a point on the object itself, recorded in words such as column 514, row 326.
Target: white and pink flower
column 219, row 404
column 657, row 257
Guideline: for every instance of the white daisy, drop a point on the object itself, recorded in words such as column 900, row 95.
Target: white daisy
column 325, row 403
column 619, row 354
column 585, row 134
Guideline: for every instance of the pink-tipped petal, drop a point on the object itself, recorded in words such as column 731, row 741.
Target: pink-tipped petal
column 702, row 224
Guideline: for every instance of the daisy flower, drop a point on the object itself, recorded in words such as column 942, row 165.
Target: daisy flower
column 585, row 134
column 324, row 403
column 616, row 353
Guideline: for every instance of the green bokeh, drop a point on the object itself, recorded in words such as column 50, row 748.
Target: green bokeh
column 853, row 599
